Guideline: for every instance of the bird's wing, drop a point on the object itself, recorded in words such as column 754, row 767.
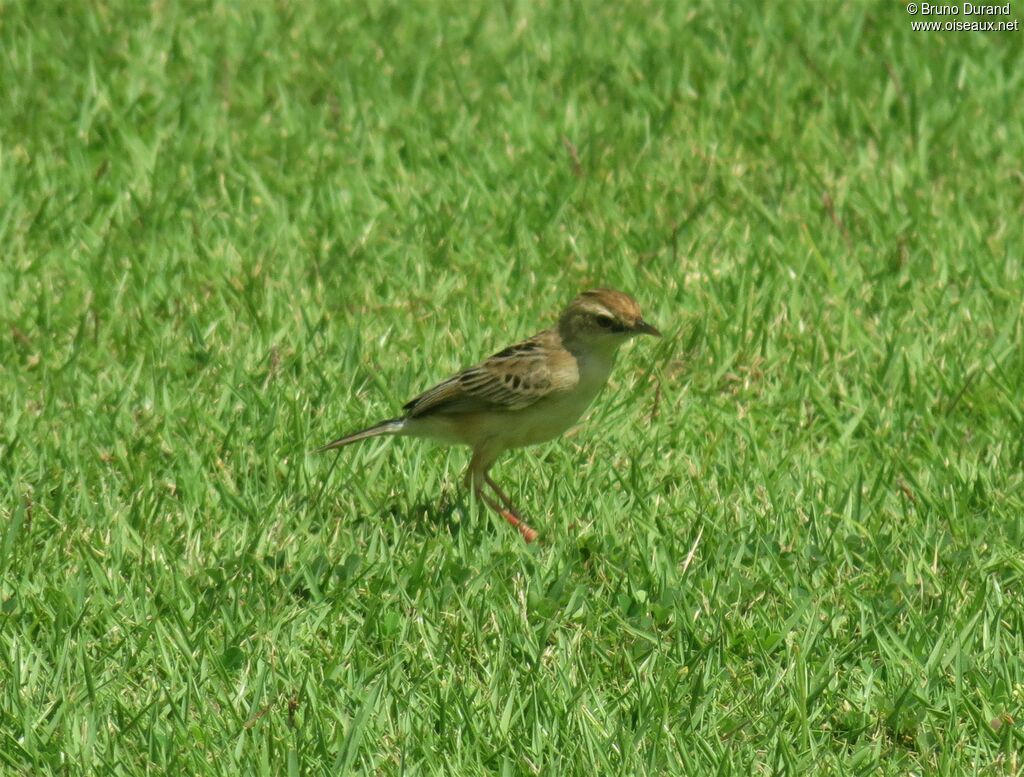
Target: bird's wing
column 512, row 379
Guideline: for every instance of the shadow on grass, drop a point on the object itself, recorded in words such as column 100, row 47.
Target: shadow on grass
column 449, row 513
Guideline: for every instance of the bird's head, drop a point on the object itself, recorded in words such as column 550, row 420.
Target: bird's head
column 603, row 318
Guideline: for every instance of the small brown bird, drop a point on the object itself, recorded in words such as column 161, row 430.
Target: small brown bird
column 528, row 393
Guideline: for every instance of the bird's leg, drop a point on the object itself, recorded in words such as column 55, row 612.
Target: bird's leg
column 529, row 534
column 478, row 477
column 505, row 499
column 511, row 512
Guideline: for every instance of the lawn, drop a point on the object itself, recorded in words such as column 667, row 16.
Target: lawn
column 787, row 538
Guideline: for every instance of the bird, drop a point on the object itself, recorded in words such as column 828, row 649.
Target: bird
column 526, row 394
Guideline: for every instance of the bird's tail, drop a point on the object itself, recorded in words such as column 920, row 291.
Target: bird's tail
column 391, row 426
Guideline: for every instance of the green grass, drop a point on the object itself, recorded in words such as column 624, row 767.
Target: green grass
column 787, row 539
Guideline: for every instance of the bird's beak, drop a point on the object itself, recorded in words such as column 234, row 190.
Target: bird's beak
column 643, row 328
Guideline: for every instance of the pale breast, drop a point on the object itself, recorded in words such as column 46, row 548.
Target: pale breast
column 575, row 381
column 553, row 415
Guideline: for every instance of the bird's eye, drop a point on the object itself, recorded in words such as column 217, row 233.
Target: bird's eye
column 605, row 321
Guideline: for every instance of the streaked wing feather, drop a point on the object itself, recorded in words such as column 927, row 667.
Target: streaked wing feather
column 512, row 379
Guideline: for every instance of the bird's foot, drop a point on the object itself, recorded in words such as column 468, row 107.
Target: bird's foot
column 529, row 534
